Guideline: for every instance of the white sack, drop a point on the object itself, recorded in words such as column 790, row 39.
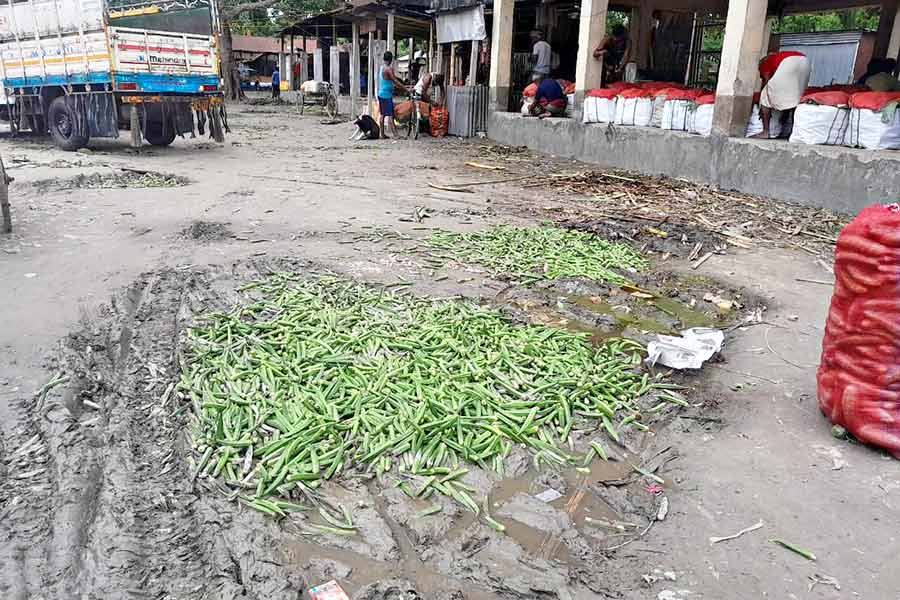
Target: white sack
column 868, row 130
column 599, row 110
column 820, row 124
column 634, row 111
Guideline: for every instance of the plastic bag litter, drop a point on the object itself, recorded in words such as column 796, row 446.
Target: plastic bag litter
column 695, row 346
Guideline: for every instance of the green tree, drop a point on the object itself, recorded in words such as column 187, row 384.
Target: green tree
column 859, row 18
column 257, row 17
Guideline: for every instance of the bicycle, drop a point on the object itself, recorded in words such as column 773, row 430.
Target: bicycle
column 414, row 123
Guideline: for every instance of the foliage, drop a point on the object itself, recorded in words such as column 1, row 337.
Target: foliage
column 268, row 18
column 863, row 18
column 616, row 17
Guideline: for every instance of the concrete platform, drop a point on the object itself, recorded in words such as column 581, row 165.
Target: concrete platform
column 834, row 177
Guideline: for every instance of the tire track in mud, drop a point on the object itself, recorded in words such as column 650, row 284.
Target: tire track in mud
column 113, row 513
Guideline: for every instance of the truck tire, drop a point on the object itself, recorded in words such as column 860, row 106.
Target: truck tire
column 62, row 126
column 157, row 135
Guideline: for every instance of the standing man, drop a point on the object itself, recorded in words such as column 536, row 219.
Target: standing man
column 785, row 76
column 541, row 55
column 615, row 52
column 386, row 82
column 276, row 83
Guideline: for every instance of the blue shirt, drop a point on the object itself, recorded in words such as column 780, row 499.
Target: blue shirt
column 276, row 78
column 385, row 86
column 549, row 90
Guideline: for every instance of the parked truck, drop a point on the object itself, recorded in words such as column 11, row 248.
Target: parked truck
column 79, row 69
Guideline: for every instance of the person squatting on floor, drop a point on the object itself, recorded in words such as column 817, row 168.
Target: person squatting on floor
column 785, row 76
column 549, row 100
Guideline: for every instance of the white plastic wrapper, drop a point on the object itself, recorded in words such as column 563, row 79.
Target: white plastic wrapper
column 700, row 119
column 868, row 130
column 570, row 104
column 527, row 101
column 690, row 351
column 634, row 111
column 755, row 126
column 312, row 87
column 675, row 115
column 599, row 110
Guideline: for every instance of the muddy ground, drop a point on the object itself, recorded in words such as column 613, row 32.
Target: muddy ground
column 107, row 267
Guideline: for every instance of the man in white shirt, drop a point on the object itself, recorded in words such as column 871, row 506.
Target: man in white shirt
column 541, row 54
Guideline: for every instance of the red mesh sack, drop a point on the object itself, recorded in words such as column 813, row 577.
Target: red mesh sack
column 439, row 119
column 874, row 100
column 620, row 85
column 602, row 93
column 833, row 98
column 634, row 93
column 859, row 374
column 680, row 93
column 705, row 99
column 569, row 89
column 530, row 90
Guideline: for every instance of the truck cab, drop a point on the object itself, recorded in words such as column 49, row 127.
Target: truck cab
column 78, row 69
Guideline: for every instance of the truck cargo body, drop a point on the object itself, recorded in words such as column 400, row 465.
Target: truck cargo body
column 107, row 64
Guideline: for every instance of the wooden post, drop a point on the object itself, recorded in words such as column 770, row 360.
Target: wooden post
column 452, row 64
column 411, row 43
column 591, row 30
column 135, row 120
column 430, row 56
column 893, row 49
column 6, row 226
column 739, row 69
column 501, row 54
column 473, row 63
column 370, row 78
column 390, row 34
column 354, row 71
column 885, row 29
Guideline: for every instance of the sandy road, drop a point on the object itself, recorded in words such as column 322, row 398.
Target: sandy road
column 100, row 504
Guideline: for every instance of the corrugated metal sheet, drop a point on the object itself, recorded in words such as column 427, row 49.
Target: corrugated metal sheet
column 831, row 53
column 451, row 5
column 468, row 107
column 820, row 38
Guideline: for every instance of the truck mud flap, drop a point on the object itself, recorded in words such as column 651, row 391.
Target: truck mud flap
column 95, row 114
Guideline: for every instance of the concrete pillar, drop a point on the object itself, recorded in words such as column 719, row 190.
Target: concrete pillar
column 318, row 65
column 288, row 73
column 893, row 48
column 473, row 63
column 334, row 70
column 390, row 34
column 371, row 79
column 501, row 54
column 739, row 68
column 591, row 30
column 354, row 71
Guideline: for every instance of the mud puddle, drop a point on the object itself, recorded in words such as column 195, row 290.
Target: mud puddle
column 603, row 311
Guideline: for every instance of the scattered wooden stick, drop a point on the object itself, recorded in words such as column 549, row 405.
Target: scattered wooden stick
column 490, row 181
column 702, row 260
column 449, row 189
column 716, row 540
column 819, row 281
column 483, row 166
